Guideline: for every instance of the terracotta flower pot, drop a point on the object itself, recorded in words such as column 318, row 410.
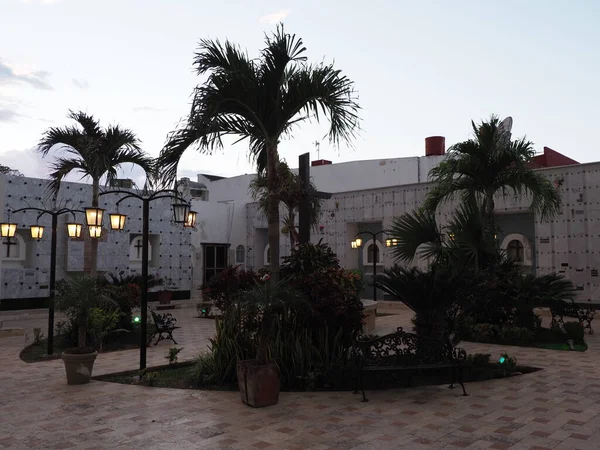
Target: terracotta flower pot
column 79, row 366
column 259, row 383
column 164, row 297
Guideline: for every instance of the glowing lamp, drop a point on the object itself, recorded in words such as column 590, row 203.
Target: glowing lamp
column 93, row 216
column 74, row 230
column 137, row 319
column 8, row 230
column 117, row 221
column 191, row 219
column 37, row 231
column 358, row 242
column 95, row 231
column 502, row 360
column 353, row 244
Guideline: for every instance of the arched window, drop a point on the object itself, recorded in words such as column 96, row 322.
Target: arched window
column 13, row 249
column 135, row 249
column 240, row 254
column 515, row 251
column 373, row 251
column 267, row 255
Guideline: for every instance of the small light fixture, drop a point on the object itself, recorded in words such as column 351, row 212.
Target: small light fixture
column 353, row 244
column 451, row 236
column 191, row 220
column 180, row 212
column 74, row 230
column 93, row 216
column 95, row 231
column 8, row 230
column 358, row 242
column 37, row 231
column 117, row 221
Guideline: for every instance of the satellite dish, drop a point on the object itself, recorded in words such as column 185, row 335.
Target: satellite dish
column 506, row 124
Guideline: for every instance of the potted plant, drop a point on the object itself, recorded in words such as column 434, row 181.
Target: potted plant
column 165, row 296
column 77, row 297
column 258, row 378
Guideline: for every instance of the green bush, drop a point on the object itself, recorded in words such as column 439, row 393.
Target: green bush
column 479, row 359
column 485, row 332
column 516, row 335
column 575, row 331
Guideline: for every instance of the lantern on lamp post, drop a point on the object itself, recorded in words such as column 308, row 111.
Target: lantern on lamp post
column 95, row 231
column 117, row 221
column 181, row 212
column 94, row 216
column 7, row 229
column 74, row 230
column 37, row 231
column 191, row 219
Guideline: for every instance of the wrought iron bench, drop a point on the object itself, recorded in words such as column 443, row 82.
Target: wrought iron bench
column 165, row 325
column 562, row 309
column 401, row 351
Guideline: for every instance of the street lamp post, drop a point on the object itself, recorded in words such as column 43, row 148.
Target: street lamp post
column 358, row 242
column 37, row 233
column 181, row 215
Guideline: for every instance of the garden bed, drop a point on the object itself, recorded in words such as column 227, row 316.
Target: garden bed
column 36, row 352
column 544, row 338
column 180, row 376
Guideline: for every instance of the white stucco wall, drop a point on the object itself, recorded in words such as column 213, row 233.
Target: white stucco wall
column 342, row 177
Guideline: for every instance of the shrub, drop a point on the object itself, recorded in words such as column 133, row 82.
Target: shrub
column 223, row 287
column 575, row 331
column 308, row 258
column 485, row 332
column 516, row 335
column 479, row 359
column 172, row 355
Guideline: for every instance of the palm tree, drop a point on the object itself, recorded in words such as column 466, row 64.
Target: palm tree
column 261, row 100
column 489, row 164
column 290, row 193
column 468, row 240
column 94, row 152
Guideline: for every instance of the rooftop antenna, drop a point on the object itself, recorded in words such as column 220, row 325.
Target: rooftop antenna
column 318, row 149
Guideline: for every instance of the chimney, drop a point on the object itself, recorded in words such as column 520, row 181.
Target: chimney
column 435, row 146
column 320, row 162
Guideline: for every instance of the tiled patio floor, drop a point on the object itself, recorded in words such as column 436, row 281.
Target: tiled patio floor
column 554, row 408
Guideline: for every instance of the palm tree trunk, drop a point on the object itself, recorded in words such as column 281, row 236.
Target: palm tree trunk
column 273, row 209
column 489, row 205
column 292, row 229
column 94, row 243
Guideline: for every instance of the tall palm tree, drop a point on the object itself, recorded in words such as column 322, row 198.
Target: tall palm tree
column 261, row 100
column 488, row 164
column 94, row 152
column 290, row 193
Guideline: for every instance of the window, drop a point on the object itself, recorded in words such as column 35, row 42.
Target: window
column 515, row 251
column 373, row 251
column 267, row 256
column 240, row 254
column 215, row 259
column 135, row 249
column 13, row 249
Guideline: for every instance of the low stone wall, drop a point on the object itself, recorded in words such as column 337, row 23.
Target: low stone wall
column 370, row 312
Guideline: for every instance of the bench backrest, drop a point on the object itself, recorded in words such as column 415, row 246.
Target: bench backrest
column 403, row 349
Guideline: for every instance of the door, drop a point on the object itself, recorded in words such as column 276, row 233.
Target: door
column 215, row 259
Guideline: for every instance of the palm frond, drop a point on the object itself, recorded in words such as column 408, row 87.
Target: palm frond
column 417, row 233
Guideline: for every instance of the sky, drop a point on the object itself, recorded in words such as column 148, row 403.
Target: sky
column 420, row 69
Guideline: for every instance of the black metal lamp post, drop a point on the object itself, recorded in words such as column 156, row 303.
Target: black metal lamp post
column 37, row 231
column 181, row 215
column 358, row 242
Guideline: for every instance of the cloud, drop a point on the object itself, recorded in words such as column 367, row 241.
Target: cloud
column 147, row 109
column 8, row 115
column 28, row 162
column 35, row 79
column 81, row 83
column 275, row 17
column 43, row 2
